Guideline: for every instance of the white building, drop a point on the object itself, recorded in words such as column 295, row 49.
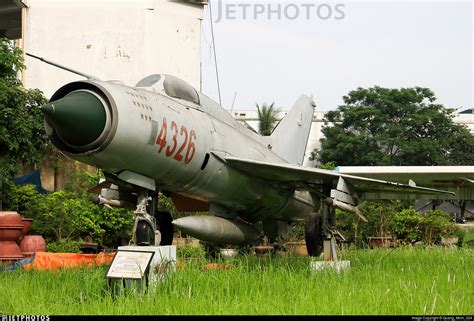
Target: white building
column 466, row 117
column 122, row 40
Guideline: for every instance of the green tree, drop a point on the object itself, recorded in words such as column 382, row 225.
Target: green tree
column 407, row 225
column 382, row 126
column 22, row 136
column 267, row 116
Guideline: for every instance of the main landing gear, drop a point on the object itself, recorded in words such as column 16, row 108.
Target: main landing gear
column 321, row 233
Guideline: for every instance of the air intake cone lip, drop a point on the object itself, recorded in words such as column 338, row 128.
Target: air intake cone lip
column 81, row 119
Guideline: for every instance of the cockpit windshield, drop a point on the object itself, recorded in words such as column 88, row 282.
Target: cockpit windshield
column 173, row 87
column 149, row 81
column 177, row 88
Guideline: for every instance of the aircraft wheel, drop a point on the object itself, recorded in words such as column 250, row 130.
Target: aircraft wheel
column 144, row 234
column 163, row 224
column 314, row 234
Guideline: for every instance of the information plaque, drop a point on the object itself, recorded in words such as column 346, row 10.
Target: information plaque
column 130, row 265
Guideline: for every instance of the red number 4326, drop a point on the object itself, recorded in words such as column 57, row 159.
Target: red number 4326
column 186, row 146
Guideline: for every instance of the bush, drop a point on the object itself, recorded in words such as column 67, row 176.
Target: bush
column 117, row 224
column 379, row 215
column 407, row 225
column 296, row 234
column 437, row 224
column 63, row 247
column 66, row 216
column 69, row 216
column 460, row 234
column 190, row 252
column 20, row 198
column 81, row 181
column 468, row 240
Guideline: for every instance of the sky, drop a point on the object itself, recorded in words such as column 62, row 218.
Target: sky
column 274, row 51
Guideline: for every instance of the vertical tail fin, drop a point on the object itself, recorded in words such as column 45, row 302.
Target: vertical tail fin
column 291, row 135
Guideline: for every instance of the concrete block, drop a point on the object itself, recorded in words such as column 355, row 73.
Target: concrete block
column 338, row 266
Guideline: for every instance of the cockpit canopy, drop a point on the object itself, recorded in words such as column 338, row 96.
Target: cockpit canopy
column 171, row 86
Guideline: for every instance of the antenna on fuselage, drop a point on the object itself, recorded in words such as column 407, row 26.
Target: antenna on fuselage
column 63, row 67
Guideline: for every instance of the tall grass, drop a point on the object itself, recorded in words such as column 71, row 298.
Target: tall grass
column 408, row 281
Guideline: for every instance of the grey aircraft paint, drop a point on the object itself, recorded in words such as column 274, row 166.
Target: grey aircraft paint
column 163, row 135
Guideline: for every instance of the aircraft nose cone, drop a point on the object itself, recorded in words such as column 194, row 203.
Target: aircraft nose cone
column 78, row 118
column 48, row 110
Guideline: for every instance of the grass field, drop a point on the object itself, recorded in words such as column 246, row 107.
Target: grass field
column 403, row 281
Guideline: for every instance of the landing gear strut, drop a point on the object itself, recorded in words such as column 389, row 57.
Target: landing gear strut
column 314, row 234
column 321, row 233
column 151, row 229
column 145, row 224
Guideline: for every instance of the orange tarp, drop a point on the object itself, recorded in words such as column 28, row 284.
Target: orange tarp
column 55, row 261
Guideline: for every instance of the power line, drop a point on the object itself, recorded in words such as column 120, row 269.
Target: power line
column 233, row 102
column 215, row 55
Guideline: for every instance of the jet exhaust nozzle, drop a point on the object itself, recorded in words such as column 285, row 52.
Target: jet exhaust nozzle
column 217, row 230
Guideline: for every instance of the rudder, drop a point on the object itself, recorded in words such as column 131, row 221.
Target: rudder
column 291, row 135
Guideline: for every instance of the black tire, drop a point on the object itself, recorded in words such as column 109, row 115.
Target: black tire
column 164, row 225
column 314, row 234
column 145, row 234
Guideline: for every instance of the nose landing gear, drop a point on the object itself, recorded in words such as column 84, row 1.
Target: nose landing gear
column 149, row 229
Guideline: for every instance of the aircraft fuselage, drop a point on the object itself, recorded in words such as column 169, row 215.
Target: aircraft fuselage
column 178, row 144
